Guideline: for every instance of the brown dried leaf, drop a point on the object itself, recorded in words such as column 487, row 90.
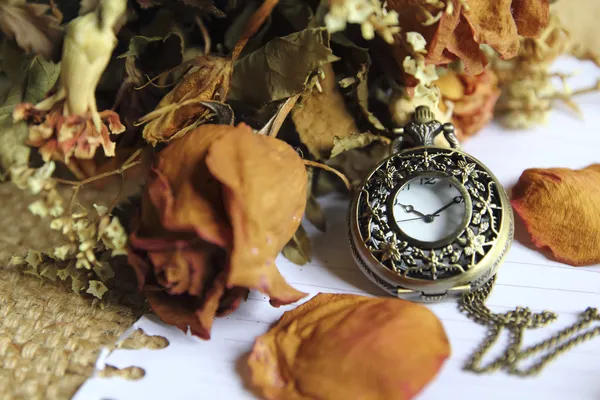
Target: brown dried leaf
column 314, row 213
column 32, row 26
column 355, row 141
column 299, row 249
column 322, row 116
column 559, row 207
column 281, row 68
column 264, row 183
column 377, row 344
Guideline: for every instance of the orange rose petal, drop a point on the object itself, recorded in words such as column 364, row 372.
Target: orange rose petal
column 492, row 23
column 265, row 193
column 531, row 16
column 179, row 311
column 349, row 347
column 184, row 190
column 559, row 207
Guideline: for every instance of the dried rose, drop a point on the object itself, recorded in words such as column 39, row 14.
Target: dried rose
column 182, row 109
column 220, row 204
column 473, row 98
column 559, row 207
column 456, row 33
column 349, row 347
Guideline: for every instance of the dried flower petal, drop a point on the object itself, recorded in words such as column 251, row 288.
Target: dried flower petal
column 473, row 99
column 265, row 194
column 380, row 348
column 559, row 207
column 455, row 33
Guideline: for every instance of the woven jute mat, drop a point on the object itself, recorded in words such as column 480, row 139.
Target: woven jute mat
column 49, row 337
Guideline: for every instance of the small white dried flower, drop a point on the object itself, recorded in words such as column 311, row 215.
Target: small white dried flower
column 17, row 260
column 39, row 208
column 64, row 252
column 41, row 178
column 417, row 42
column 114, row 237
column 368, row 13
column 101, row 210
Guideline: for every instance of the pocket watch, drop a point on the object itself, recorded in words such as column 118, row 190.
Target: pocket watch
column 430, row 222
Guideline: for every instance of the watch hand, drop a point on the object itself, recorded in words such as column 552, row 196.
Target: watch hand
column 455, row 200
column 410, row 209
column 414, row 219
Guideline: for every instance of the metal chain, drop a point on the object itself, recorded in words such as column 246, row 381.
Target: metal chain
column 516, row 322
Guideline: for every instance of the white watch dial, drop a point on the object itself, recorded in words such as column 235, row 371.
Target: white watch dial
column 429, row 208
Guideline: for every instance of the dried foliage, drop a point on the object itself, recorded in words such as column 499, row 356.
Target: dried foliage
column 209, row 231
column 528, row 90
column 559, row 208
column 383, row 349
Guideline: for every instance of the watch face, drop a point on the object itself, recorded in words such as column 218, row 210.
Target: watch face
column 430, row 214
column 429, row 208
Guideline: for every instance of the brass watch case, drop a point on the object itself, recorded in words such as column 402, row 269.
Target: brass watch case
column 430, row 272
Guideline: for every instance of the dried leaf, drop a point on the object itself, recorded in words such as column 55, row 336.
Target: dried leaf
column 299, row 249
column 265, row 196
column 321, row 116
column 377, row 344
column 357, row 63
column 314, row 213
column 31, row 79
column 32, row 26
column 282, row 68
column 559, row 207
column 355, row 141
column 154, row 55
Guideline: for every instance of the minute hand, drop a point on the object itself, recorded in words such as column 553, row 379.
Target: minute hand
column 455, row 200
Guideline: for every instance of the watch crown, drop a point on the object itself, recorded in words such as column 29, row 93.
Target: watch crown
column 423, row 115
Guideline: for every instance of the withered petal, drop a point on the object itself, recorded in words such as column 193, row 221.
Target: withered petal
column 183, row 189
column 559, row 207
column 180, row 311
column 382, row 348
column 264, row 184
column 531, row 16
column 492, row 23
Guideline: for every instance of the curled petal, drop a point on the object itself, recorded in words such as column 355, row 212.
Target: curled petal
column 264, row 183
column 559, row 207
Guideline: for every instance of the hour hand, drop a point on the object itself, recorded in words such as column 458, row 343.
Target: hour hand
column 410, row 209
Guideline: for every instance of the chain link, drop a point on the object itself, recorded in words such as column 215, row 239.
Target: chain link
column 516, row 322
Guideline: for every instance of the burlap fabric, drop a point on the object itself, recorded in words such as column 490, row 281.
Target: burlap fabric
column 49, row 336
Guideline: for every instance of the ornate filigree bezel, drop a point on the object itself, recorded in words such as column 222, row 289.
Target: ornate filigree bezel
column 460, row 259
